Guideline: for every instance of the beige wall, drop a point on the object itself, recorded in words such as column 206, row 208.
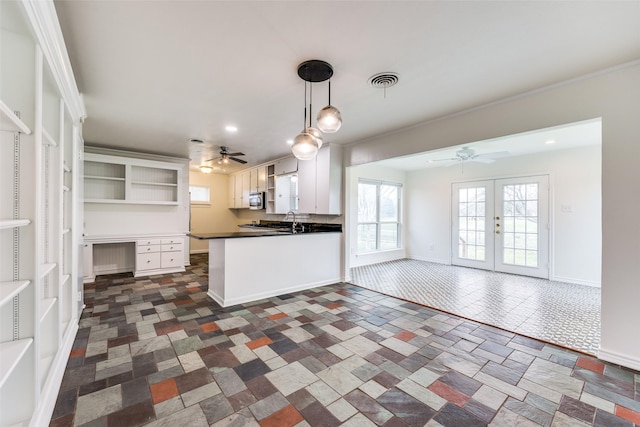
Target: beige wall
column 615, row 97
column 213, row 218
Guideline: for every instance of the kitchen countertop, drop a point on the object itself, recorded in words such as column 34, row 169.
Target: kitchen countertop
column 272, row 229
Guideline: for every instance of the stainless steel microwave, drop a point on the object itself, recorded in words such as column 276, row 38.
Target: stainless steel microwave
column 256, row 201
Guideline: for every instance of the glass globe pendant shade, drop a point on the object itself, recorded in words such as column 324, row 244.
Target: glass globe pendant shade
column 329, row 119
column 316, row 134
column 305, row 146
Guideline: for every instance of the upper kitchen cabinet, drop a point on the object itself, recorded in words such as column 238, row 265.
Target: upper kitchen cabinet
column 115, row 179
column 320, row 182
column 286, row 165
column 258, row 181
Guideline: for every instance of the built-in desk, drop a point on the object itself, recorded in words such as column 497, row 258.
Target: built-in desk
column 144, row 255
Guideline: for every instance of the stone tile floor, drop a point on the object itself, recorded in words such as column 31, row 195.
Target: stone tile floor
column 561, row 313
column 156, row 351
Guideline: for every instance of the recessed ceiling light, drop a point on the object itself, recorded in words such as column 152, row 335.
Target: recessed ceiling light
column 290, row 141
column 231, row 128
column 550, row 141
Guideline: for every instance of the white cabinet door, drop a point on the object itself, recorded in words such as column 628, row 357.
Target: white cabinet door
column 262, row 179
column 238, row 190
column 253, row 180
column 307, row 186
column 286, row 165
column 329, row 181
column 246, row 188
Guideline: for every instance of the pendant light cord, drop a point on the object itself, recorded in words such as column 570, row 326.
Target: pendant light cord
column 310, row 102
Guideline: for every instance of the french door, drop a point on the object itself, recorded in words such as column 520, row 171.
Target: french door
column 502, row 225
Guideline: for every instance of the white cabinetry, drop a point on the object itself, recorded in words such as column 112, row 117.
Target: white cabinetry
column 286, row 165
column 40, row 218
column 258, row 178
column 244, row 183
column 270, row 194
column 320, row 182
column 115, row 179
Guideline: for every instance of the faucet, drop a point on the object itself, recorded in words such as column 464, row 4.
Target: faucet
column 293, row 223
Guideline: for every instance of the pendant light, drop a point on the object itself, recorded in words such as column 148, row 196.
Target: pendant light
column 305, row 145
column 329, row 118
column 308, row 142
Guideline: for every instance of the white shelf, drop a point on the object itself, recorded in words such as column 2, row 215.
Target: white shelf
column 154, row 183
column 11, row 122
column 65, row 230
column 48, row 139
column 45, row 308
column 10, row 289
column 13, row 223
column 65, row 188
column 12, row 352
column 46, row 269
column 65, row 279
column 106, row 178
column 66, row 167
column 130, row 202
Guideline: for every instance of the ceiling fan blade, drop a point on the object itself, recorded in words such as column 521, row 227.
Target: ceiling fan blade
column 444, row 160
column 238, row 160
column 211, row 160
column 481, row 160
column 235, row 154
column 494, row 155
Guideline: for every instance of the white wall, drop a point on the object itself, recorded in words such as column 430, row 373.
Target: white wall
column 614, row 96
column 374, row 172
column 575, row 181
column 215, row 217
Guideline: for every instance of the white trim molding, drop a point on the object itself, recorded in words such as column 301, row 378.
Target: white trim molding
column 619, row 359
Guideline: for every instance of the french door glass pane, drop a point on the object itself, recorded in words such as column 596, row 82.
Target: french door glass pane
column 471, row 223
column 388, row 236
column 520, row 219
column 367, row 235
column 367, row 203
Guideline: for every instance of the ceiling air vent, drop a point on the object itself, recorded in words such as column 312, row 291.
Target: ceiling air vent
column 383, row 80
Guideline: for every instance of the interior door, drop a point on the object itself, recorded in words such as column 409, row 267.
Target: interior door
column 502, row 225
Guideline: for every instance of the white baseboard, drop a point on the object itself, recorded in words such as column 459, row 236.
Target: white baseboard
column 271, row 293
column 49, row 396
column 433, row 260
column 377, row 257
column 199, row 251
column 576, row 281
column 619, row 359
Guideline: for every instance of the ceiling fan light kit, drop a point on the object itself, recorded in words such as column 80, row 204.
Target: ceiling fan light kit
column 308, row 142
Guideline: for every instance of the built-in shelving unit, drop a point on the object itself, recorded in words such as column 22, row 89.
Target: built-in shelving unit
column 270, row 194
column 40, row 147
column 113, row 179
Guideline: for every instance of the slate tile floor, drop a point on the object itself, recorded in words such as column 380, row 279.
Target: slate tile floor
column 156, row 351
column 561, row 313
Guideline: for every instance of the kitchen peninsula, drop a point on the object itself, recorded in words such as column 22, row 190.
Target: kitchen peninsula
column 251, row 265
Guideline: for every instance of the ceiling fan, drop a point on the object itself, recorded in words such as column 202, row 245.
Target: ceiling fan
column 466, row 154
column 225, row 156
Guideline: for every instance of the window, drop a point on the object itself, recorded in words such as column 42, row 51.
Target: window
column 378, row 216
column 199, row 194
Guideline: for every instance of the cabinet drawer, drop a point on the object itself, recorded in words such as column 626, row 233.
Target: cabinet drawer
column 148, row 261
column 149, row 242
column 172, row 241
column 171, row 259
column 175, row 247
column 144, row 249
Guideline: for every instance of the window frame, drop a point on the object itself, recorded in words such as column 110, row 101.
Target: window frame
column 378, row 223
column 200, row 202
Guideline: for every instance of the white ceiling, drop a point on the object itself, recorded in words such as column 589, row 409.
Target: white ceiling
column 573, row 135
column 156, row 73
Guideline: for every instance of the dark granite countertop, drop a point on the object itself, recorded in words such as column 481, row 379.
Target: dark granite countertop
column 271, row 229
